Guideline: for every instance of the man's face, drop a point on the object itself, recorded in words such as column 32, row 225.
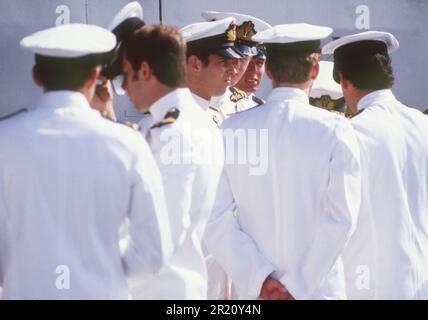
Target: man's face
column 240, row 69
column 218, row 74
column 133, row 85
column 252, row 77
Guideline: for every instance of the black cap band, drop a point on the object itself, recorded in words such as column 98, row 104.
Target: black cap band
column 261, row 52
column 296, row 48
column 213, row 43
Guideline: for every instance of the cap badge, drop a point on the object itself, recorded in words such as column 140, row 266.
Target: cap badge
column 231, row 33
column 246, row 31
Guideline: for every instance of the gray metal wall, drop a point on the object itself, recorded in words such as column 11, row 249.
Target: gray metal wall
column 405, row 19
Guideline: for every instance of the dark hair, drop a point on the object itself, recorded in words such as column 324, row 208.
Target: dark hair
column 65, row 73
column 163, row 48
column 366, row 64
column 202, row 55
column 292, row 67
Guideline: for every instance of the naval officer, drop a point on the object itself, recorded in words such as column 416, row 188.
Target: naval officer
column 279, row 233
column 212, row 60
column 188, row 150
column 69, row 178
column 241, row 94
column 387, row 257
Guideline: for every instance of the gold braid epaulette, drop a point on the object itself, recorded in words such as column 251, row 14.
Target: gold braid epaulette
column 237, row 94
column 170, row 117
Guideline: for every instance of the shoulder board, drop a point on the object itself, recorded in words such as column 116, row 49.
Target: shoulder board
column 214, row 108
column 237, row 94
column 258, row 100
column 356, row 114
column 13, row 114
column 170, row 117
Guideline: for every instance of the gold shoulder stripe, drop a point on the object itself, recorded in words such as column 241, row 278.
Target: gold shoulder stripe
column 170, row 117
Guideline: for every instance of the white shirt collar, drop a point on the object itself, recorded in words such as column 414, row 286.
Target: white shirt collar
column 204, row 104
column 288, row 93
column 62, row 99
column 374, row 97
column 160, row 108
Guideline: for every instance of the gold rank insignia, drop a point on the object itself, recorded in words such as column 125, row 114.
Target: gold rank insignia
column 170, row 117
column 246, row 31
column 237, row 94
column 231, row 33
column 326, row 102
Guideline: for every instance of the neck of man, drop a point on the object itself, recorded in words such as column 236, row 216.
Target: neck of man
column 157, row 93
column 197, row 88
column 354, row 97
column 304, row 86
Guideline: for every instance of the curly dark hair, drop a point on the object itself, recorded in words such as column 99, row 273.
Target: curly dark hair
column 366, row 64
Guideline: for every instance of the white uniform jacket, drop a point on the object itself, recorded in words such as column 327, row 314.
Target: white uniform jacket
column 188, row 150
column 68, row 179
column 290, row 206
column 387, row 257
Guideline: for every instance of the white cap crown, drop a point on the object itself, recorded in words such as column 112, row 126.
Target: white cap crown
column 391, row 42
column 201, row 30
column 131, row 10
column 324, row 84
column 291, row 33
column 70, row 41
column 259, row 24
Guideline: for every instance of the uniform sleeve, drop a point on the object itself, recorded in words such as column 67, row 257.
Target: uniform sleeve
column 233, row 249
column 339, row 219
column 149, row 244
column 178, row 173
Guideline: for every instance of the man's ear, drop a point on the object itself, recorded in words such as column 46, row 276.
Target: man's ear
column 315, row 71
column 344, row 82
column 194, row 64
column 95, row 73
column 36, row 78
column 145, row 72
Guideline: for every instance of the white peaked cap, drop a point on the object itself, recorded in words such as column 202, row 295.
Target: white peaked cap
column 324, row 84
column 70, row 41
column 259, row 25
column 292, row 33
column 201, row 30
column 386, row 37
column 131, row 10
